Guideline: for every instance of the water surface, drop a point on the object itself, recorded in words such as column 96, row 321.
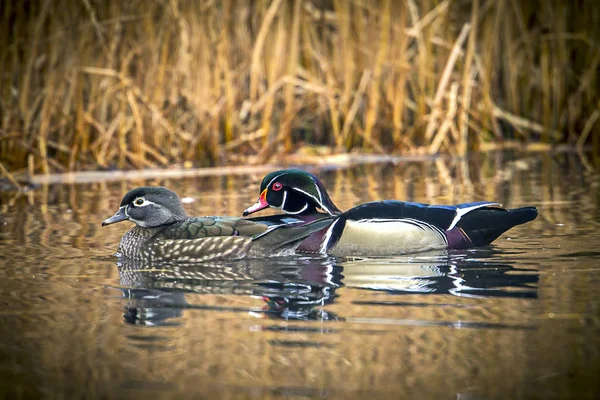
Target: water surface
column 519, row 319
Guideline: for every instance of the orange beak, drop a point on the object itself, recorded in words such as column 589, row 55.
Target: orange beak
column 260, row 204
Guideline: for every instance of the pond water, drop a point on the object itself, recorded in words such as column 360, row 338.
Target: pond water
column 519, row 319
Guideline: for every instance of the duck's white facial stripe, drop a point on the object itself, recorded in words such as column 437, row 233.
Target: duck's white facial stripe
column 318, row 200
column 318, row 191
column 282, row 206
column 284, row 199
column 299, row 211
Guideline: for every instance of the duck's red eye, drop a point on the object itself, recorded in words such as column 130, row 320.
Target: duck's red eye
column 277, row 186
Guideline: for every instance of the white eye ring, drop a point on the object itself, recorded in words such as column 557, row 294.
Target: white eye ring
column 141, row 202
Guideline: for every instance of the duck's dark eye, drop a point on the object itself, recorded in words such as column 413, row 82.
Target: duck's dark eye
column 139, row 202
column 277, row 186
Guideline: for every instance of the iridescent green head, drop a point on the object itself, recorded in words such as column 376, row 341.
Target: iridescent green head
column 293, row 191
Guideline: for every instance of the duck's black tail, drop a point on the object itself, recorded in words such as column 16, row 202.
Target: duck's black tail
column 484, row 225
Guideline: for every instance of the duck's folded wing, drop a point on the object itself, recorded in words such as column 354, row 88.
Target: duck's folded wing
column 282, row 237
column 204, row 227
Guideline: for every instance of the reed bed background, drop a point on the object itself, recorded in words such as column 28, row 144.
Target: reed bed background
column 108, row 84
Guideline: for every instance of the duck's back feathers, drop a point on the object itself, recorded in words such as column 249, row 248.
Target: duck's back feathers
column 202, row 227
column 281, row 238
column 442, row 217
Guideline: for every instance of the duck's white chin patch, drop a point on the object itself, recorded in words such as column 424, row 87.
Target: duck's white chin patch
column 139, row 223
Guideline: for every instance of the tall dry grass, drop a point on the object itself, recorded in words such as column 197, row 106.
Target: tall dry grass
column 105, row 84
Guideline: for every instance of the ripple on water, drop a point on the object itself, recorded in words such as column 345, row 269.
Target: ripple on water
column 75, row 320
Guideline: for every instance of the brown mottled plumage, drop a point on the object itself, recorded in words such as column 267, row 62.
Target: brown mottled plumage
column 164, row 231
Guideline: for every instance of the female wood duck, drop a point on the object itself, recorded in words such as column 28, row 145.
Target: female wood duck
column 384, row 228
column 164, row 231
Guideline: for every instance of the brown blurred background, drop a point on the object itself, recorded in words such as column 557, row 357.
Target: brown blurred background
column 91, row 84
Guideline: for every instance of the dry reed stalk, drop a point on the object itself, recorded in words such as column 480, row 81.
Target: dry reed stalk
column 546, row 106
column 33, row 112
column 421, row 54
column 382, row 53
column 289, row 108
column 87, row 117
column 112, row 128
column 448, row 123
column 396, row 90
column 349, row 119
column 124, row 127
column 486, row 119
column 521, row 122
column 274, row 72
column 163, row 50
column 588, row 128
column 248, row 137
column 346, row 55
column 468, row 77
column 511, row 70
column 9, row 176
column 437, row 12
column 332, row 103
column 48, row 107
column 369, row 142
column 30, row 166
column 228, row 85
column 137, row 139
column 153, row 109
column 436, row 106
column 523, row 32
column 32, row 55
column 255, row 73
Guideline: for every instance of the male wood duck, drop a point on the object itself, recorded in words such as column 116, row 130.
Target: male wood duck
column 164, row 231
column 384, row 228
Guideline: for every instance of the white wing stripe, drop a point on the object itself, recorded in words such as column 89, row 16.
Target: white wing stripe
column 327, row 238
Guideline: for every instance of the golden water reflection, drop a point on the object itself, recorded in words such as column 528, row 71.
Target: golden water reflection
column 517, row 320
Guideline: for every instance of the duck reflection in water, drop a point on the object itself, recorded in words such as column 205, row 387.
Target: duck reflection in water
column 300, row 288
column 290, row 288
